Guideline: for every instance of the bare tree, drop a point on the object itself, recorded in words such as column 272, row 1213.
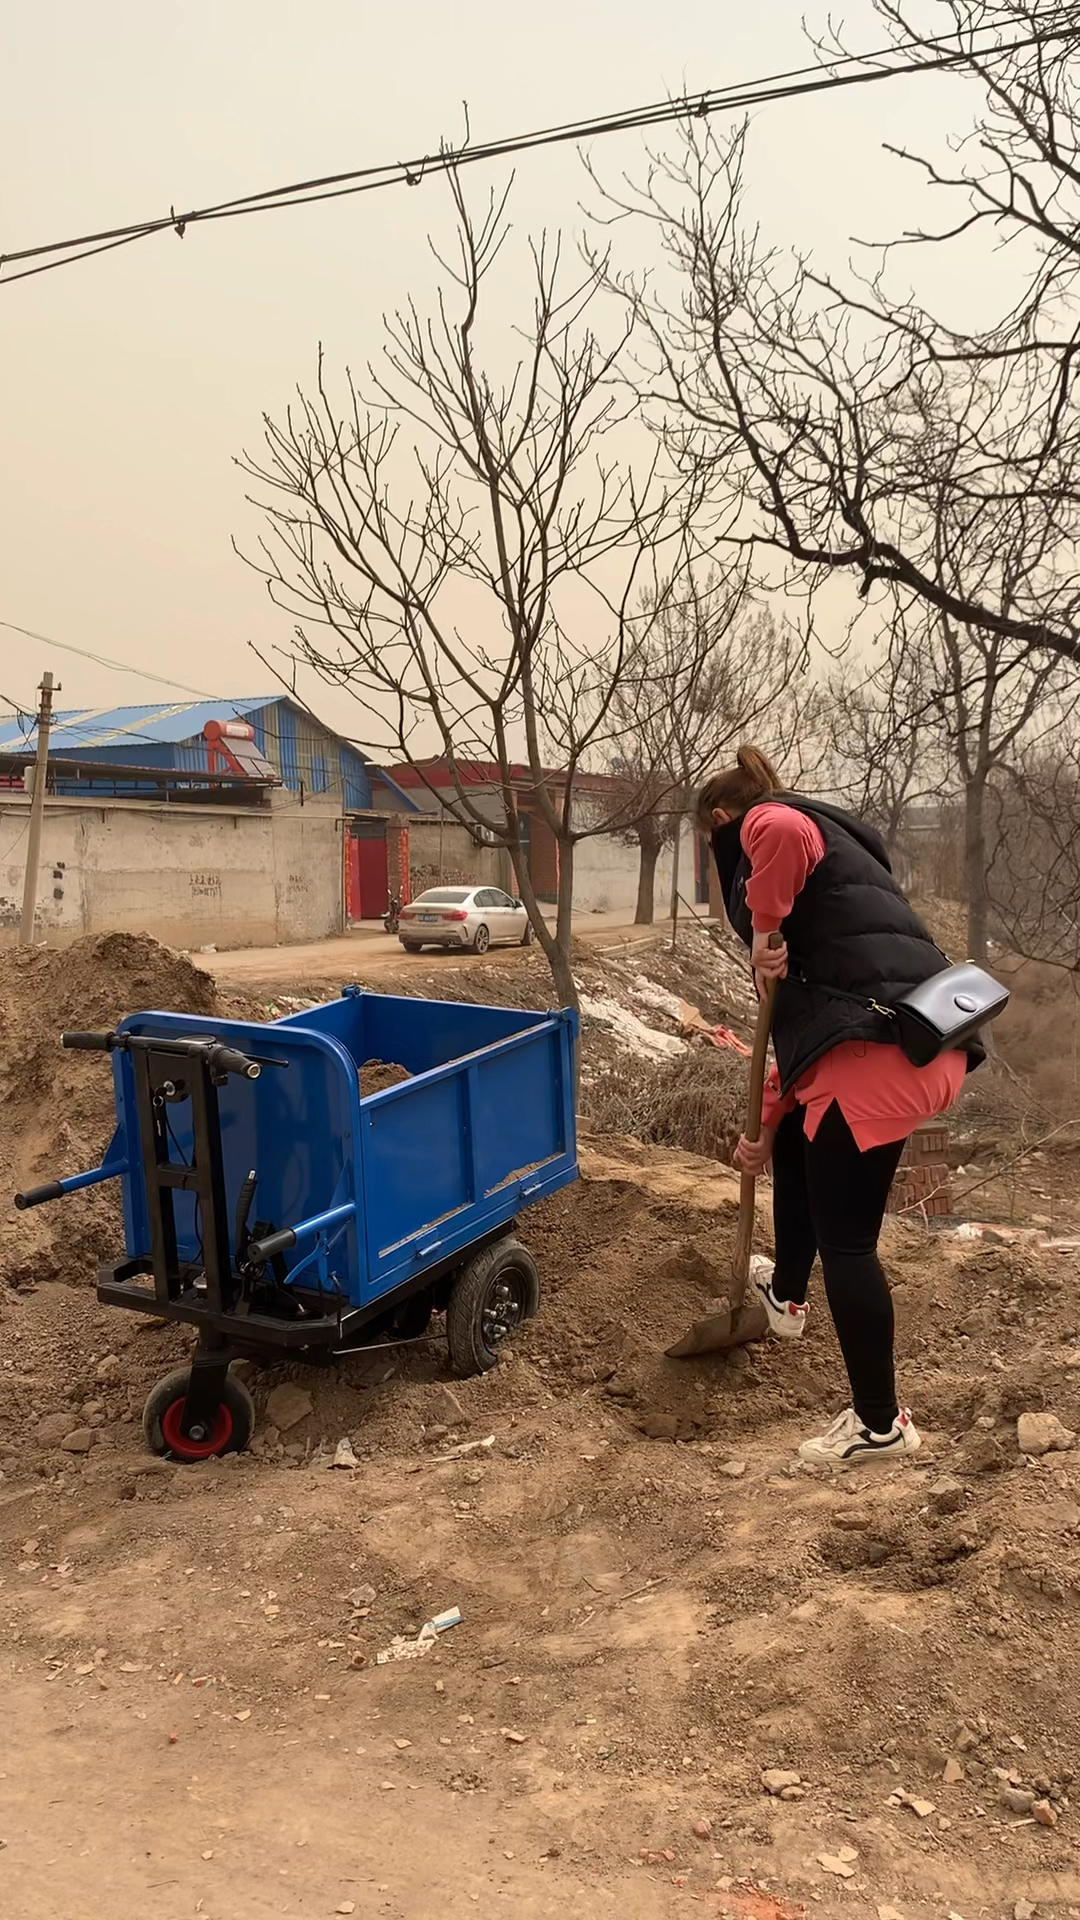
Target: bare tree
column 468, row 558
column 1033, row 836
column 881, row 748
column 856, row 424
column 729, row 670
column 947, row 714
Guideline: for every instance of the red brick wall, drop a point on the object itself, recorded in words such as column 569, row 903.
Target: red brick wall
column 923, row 1182
column 397, row 860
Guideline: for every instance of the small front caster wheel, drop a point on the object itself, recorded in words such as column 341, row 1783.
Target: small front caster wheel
column 493, row 1295
column 234, row 1422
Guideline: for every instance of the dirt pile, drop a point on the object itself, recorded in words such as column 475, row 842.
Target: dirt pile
column 377, row 1075
column 56, row 1108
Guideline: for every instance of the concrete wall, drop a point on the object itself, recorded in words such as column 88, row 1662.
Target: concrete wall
column 442, row 851
column 605, row 868
column 606, row 871
column 190, row 876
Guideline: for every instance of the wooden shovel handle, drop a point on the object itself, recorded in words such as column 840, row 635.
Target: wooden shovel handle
column 740, row 1272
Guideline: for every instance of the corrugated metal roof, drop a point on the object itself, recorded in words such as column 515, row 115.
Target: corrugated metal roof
column 293, row 741
column 86, row 727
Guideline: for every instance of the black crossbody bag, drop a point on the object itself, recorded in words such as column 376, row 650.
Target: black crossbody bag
column 943, row 1013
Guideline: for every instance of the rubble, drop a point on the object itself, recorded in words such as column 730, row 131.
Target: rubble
column 1039, row 1433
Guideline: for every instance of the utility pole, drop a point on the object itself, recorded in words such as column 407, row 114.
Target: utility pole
column 37, row 810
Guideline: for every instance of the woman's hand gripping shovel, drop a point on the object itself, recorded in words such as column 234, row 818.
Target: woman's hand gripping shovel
column 741, row 1320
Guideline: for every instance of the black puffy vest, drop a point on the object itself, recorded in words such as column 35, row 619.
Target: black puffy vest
column 851, row 936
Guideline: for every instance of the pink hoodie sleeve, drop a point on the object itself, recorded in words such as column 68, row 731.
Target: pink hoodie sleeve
column 773, row 1108
column 783, row 847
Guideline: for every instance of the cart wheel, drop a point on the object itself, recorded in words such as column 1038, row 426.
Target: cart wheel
column 494, row 1294
column 481, row 940
column 231, row 1432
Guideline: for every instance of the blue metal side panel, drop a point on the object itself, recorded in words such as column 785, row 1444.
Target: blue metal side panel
column 193, row 756
column 485, row 1127
column 355, row 785
column 285, row 719
column 298, row 1127
column 320, row 779
column 414, row 1034
column 453, row 1155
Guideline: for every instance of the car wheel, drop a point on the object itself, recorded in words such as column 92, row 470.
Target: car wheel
column 481, row 940
column 413, row 946
column 527, row 936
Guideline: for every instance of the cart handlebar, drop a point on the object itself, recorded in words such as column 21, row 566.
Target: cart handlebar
column 260, row 1251
column 37, row 1196
column 219, row 1058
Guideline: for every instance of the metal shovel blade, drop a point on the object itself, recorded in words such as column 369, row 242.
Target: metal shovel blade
column 719, row 1331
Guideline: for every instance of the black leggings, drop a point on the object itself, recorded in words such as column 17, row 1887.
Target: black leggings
column 829, row 1199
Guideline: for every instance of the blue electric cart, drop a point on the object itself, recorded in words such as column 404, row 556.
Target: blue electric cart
column 283, row 1215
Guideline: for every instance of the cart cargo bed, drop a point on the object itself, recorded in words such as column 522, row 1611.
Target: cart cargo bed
column 483, row 1128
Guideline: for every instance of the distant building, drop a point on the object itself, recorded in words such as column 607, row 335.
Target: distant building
column 605, row 863
column 307, row 756
column 268, row 739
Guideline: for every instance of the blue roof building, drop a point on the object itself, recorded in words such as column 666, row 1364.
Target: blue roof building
column 169, row 736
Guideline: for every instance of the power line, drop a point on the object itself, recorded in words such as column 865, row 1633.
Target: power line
column 796, row 82
column 19, row 712
column 103, row 660
column 16, row 706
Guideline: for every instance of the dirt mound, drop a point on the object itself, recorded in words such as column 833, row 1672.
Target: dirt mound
column 56, row 1108
column 377, row 1075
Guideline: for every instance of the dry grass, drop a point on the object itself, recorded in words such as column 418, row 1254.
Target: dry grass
column 696, row 1103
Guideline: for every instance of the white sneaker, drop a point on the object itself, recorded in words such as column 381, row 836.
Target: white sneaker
column 786, row 1319
column 848, row 1443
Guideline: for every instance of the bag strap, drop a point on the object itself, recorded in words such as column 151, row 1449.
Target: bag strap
column 869, row 1005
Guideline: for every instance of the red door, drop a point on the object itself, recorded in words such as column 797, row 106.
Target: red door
column 365, row 878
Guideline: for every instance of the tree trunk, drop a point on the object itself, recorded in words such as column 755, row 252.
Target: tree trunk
column 976, row 886
column 649, row 846
column 560, row 953
column 564, row 922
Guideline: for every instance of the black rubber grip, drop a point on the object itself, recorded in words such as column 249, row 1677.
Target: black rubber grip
column 88, row 1042
column 229, row 1060
column 260, row 1251
column 37, row 1196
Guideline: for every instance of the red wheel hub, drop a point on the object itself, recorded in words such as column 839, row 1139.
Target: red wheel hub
column 188, row 1449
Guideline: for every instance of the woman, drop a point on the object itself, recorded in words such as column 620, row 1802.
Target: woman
column 842, row 1098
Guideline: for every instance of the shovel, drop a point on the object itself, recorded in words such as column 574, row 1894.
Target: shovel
column 741, row 1320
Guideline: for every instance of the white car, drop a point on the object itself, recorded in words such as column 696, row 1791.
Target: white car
column 473, row 917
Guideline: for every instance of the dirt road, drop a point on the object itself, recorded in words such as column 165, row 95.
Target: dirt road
column 328, row 962
column 246, row 1822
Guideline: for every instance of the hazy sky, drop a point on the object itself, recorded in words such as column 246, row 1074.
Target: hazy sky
column 130, row 382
